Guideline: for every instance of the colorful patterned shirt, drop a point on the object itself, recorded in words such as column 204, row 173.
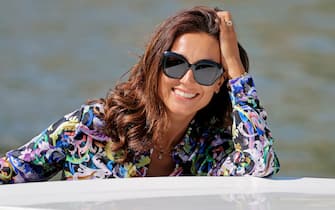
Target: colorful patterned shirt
column 76, row 146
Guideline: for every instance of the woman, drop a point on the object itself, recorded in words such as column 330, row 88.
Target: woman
column 189, row 107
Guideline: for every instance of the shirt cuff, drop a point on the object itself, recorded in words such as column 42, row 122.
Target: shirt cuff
column 242, row 88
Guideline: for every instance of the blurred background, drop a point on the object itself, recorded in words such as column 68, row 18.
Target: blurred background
column 54, row 55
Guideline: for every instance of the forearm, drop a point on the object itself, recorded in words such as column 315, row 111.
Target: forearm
column 35, row 161
column 43, row 156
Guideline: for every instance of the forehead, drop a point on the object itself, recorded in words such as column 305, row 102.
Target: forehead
column 197, row 46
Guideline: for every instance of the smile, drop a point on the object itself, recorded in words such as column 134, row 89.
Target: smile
column 184, row 94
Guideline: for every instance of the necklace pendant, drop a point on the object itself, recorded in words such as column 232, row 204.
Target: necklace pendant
column 160, row 156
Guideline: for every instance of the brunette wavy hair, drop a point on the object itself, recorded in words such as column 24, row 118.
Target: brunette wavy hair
column 135, row 115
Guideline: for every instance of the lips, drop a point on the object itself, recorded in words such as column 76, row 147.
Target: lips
column 184, row 94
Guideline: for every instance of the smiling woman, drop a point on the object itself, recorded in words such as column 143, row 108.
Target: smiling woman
column 185, row 96
column 189, row 107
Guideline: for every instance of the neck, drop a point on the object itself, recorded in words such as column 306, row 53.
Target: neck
column 175, row 131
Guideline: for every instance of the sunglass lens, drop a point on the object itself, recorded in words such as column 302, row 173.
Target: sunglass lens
column 175, row 67
column 207, row 74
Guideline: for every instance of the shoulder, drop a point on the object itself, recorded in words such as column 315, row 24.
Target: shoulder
column 92, row 114
column 92, row 120
column 87, row 114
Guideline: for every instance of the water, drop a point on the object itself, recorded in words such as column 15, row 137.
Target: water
column 54, row 55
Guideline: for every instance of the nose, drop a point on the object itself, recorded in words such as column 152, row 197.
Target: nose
column 188, row 78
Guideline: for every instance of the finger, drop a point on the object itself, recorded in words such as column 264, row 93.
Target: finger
column 225, row 20
column 229, row 23
column 225, row 15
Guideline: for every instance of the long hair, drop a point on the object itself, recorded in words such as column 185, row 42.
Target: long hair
column 135, row 116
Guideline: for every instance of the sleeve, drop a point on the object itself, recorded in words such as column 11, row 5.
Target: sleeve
column 253, row 152
column 43, row 156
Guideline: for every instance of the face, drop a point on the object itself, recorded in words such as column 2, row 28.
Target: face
column 184, row 97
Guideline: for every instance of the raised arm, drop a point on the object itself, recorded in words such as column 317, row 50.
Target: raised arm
column 253, row 144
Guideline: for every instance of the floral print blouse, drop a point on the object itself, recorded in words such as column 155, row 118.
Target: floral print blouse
column 75, row 146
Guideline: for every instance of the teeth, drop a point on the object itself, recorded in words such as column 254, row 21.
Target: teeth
column 183, row 94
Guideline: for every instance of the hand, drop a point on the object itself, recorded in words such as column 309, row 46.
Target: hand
column 230, row 56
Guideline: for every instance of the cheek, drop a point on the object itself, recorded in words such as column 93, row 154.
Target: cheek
column 164, row 85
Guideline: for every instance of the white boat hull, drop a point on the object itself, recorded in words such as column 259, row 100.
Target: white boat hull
column 172, row 193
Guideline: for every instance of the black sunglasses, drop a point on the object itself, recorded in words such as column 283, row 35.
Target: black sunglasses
column 205, row 72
